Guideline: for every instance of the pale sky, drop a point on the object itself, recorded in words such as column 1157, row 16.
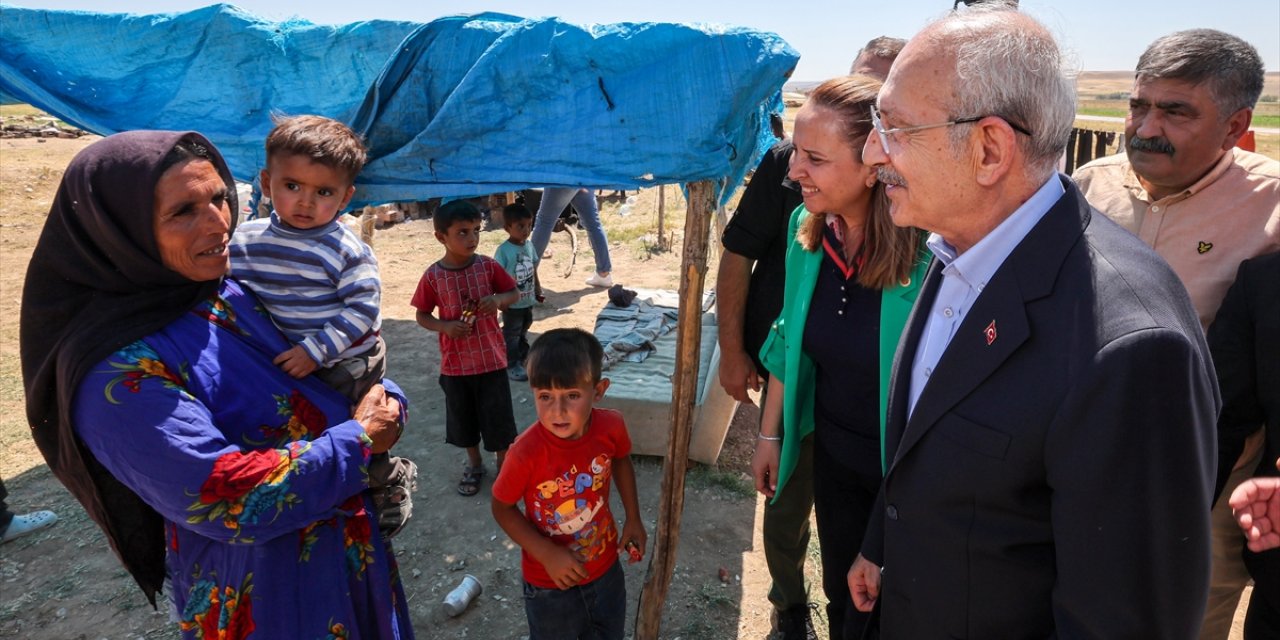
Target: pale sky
column 1102, row 35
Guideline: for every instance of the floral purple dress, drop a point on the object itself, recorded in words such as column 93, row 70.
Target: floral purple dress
column 260, row 479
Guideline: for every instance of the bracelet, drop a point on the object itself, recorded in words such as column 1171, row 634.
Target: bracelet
column 762, row 436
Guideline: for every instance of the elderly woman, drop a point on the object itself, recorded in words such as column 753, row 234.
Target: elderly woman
column 152, row 395
column 852, row 276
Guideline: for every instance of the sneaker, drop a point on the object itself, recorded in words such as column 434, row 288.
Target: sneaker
column 27, row 523
column 516, row 372
column 602, row 280
column 795, row 623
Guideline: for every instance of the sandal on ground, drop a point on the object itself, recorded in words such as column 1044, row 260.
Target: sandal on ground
column 470, row 483
column 27, row 523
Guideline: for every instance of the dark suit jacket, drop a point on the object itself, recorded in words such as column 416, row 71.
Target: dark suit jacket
column 1245, row 342
column 1054, row 481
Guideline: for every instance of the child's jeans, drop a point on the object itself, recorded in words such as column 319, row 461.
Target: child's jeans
column 515, row 331
column 593, row 611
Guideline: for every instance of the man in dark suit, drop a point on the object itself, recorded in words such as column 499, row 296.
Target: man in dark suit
column 1245, row 342
column 1051, row 415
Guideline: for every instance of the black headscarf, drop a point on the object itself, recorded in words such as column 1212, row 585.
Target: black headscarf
column 96, row 283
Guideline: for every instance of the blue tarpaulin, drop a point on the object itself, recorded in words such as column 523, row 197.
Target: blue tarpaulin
column 459, row 106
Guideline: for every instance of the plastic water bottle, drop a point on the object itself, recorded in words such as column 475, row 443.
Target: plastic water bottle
column 624, row 210
column 631, row 200
column 462, row 595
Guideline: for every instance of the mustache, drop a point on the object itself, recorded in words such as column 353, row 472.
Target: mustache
column 1154, row 145
column 890, row 177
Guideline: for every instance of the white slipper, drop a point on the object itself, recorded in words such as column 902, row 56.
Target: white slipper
column 27, row 523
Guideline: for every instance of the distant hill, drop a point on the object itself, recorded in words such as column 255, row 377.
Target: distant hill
column 1089, row 83
column 800, row 86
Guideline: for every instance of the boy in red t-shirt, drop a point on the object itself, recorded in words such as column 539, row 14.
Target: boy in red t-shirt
column 469, row 290
column 561, row 468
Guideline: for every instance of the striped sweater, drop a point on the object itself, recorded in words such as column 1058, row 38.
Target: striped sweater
column 320, row 285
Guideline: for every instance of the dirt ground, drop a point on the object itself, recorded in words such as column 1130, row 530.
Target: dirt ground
column 64, row 583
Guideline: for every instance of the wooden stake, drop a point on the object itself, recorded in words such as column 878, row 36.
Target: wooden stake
column 684, row 394
column 722, row 221
column 662, row 213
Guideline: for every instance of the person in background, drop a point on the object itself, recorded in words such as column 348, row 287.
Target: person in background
column 14, row 526
column 876, row 57
column 1256, row 504
column 562, row 468
column 1184, row 189
column 517, row 256
column 152, row 394
column 1245, row 341
column 749, row 286
column 465, row 291
column 554, row 200
column 1050, row 430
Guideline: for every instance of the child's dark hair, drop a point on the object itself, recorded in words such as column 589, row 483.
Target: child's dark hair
column 564, row 358
column 515, row 212
column 456, row 211
column 323, row 140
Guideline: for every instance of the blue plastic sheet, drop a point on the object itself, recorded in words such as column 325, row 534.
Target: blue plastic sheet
column 463, row 105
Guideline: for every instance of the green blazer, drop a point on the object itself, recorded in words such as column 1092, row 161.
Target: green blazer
column 783, row 353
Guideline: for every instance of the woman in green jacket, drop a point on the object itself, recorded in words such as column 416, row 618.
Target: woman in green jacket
column 852, row 276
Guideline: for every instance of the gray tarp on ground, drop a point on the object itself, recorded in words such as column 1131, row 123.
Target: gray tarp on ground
column 459, row 106
column 630, row 333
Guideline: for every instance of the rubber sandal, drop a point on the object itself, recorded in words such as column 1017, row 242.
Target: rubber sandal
column 28, row 523
column 393, row 500
column 470, row 483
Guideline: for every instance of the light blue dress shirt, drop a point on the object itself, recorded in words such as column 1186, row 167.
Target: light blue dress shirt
column 965, row 275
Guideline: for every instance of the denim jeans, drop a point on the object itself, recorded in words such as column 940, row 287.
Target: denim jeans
column 593, row 611
column 554, row 200
column 515, row 332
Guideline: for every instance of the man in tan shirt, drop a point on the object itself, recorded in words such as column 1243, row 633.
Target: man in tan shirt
column 1202, row 204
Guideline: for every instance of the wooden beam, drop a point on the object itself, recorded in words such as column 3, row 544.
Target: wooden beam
column 684, row 395
column 662, row 214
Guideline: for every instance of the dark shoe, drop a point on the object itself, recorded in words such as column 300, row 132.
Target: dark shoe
column 621, row 297
column 795, row 623
column 469, row 485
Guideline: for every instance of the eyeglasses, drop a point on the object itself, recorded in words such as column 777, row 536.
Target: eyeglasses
column 885, row 133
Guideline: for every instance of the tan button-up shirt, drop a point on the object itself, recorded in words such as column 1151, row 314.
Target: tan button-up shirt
column 1203, row 232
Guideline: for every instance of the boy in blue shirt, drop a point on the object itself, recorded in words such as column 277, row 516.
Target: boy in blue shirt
column 517, row 256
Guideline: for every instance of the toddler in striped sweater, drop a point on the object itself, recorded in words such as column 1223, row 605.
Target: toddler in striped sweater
column 319, row 281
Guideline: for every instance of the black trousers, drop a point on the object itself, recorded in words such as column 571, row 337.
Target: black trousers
column 842, row 498
column 1262, row 621
column 6, row 516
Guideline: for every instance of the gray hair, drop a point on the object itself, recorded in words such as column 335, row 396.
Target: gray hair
column 1229, row 66
column 1009, row 65
column 883, row 47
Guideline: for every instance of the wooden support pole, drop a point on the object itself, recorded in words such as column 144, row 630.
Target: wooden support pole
column 662, row 213
column 722, row 221
column 684, row 394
